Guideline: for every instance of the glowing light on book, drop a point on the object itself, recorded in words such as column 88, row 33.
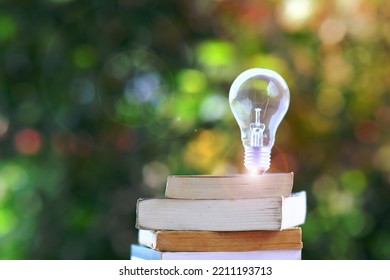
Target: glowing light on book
column 259, row 99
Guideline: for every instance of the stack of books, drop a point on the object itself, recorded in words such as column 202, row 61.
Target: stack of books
column 238, row 217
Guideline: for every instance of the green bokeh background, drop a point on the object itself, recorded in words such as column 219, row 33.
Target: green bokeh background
column 101, row 100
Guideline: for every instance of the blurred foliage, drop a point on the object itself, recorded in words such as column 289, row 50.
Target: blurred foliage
column 101, row 100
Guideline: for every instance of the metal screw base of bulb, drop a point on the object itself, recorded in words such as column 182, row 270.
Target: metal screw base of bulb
column 257, row 159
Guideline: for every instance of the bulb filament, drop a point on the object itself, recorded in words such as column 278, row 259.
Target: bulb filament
column 257, row 129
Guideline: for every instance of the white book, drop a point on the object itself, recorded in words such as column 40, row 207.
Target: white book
column 139, row 252
column 265, row 213
column 229, row 186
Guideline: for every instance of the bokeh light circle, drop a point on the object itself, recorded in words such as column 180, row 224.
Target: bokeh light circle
column 131, row 85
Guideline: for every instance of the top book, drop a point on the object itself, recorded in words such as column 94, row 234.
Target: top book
column 229, row 186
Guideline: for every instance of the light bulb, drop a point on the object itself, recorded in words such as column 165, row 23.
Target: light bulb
column 259, row 99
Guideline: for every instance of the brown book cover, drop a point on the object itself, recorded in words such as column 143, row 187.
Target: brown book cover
column 228, row 241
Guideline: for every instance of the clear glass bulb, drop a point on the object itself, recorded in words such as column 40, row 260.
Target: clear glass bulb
column 259, row 99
